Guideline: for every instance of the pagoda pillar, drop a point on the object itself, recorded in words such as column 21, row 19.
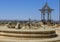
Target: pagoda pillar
column 48, row 16
column 43, row 17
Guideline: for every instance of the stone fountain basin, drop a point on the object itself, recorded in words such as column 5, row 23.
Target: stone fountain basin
column 29, row 33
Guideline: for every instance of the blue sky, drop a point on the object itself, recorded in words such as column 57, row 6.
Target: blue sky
column 25, row 9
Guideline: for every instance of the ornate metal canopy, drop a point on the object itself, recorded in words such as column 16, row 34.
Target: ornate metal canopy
column 46, row 9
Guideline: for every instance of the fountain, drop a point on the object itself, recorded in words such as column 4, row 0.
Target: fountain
column 37, row 33
column 43, row 34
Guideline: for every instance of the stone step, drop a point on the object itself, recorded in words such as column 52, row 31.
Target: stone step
column 28, row 35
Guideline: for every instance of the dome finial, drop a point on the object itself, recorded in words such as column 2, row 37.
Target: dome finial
column 46, row 1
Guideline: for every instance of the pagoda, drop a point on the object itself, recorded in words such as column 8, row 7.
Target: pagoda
column 46, row 10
